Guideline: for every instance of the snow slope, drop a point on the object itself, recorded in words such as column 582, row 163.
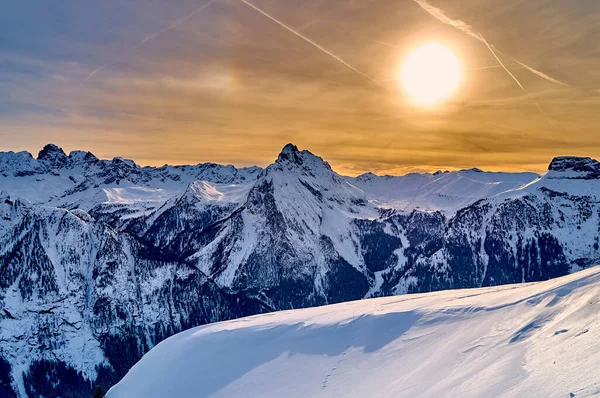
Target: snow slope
column 441, row 191
column 537, row 339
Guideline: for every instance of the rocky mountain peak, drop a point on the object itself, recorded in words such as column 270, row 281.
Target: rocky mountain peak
column 290, row 153
column 53, row 154
column 367, row 176
column 82, row 157
column 587, row 167
column 291, row 157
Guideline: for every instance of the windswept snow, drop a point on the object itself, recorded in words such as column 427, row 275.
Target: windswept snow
column 538, row 339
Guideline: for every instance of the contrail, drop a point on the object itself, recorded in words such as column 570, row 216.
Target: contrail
column 537, row 104
column 540, row 74
column 154, row 35
column 312, row 42
column 501, row 64
column 441, row 16
column 467, row 29
column 492, row 67
column 385, row 44
column 94, row 72
column 480, row 68
column 173, row 25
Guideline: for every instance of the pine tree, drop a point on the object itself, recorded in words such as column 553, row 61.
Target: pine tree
column 99, row 392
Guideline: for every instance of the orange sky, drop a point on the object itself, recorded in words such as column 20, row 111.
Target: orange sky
column 175, row 84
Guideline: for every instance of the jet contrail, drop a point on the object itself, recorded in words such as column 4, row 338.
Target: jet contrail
column 385, row 44
column 492, row 67
column 154, row 35
column 540, row 74
column 500, row 62
column 173, row 25
column 441, row 16
column 312, row 42
column 465, row 28
column 537, row 104
column 479, row 68
column 98, row 69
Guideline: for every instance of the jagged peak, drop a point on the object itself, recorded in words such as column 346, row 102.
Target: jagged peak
column 289, row 148
column 127, row 162
column 367, row 176
column 52, row 153
column 82, row 157
column 290, row 155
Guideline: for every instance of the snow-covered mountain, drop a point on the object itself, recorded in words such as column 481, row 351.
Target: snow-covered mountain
column 441, row 191
column 528, row 340
column 81, row 180
column 100, row 260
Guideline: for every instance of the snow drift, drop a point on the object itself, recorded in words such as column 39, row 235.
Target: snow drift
column 538, row 339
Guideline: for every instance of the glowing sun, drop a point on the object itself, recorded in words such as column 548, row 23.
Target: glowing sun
column 430, row 74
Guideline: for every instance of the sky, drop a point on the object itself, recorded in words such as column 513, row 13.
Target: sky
column 191, row 81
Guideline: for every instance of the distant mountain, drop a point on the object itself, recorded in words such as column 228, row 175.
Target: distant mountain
column 81, row 180
column 102, row 259
column 445, row 191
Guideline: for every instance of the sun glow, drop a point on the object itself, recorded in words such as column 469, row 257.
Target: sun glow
column 430, row 74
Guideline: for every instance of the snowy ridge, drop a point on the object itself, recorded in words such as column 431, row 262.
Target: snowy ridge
column 81, row 180
column 442, row 191
column 537, row 339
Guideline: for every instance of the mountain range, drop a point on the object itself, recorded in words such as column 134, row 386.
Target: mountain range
column 100, row 260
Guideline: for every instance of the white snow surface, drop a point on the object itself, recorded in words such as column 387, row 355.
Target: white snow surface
column 443, row 191
column 81, row 183
column 530, row 340
column 77, row 183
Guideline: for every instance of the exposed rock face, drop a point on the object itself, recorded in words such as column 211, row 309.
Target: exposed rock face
column 112, row 258
column 584, row 168
column 53, row 156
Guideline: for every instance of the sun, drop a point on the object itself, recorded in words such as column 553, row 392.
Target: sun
column 430, row 74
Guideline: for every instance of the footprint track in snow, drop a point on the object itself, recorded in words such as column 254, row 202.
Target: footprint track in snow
column 337, row 365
